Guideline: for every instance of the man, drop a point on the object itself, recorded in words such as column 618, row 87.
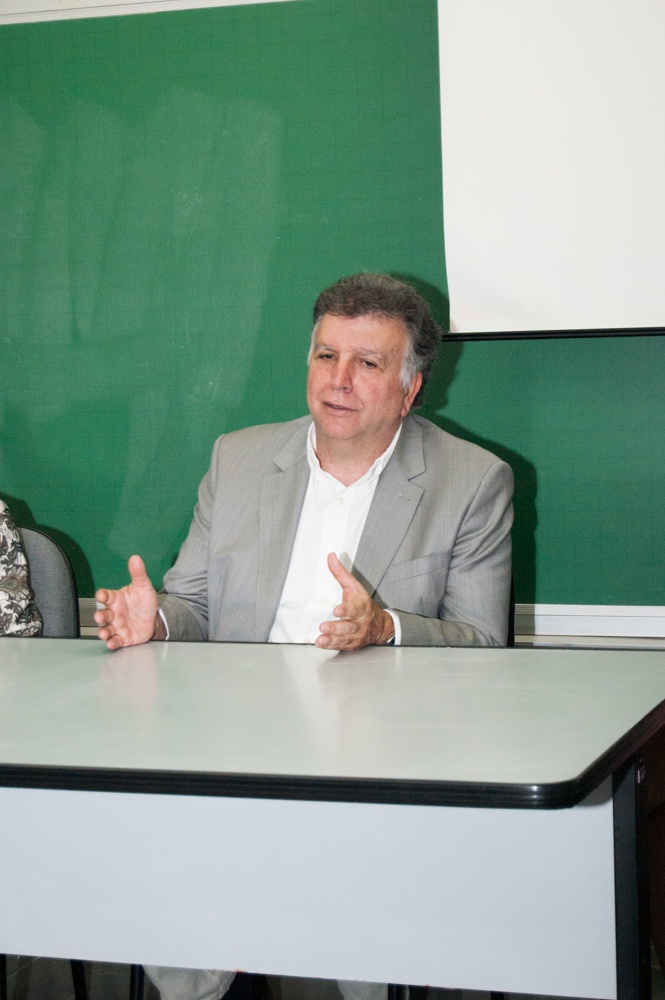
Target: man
column 361, row 524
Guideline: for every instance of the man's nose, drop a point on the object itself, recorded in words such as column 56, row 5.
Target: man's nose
column 342, row 376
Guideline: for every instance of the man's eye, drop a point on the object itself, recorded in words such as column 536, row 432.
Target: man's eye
column 370, row 364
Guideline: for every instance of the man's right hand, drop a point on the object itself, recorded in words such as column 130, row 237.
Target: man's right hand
column 130, row 614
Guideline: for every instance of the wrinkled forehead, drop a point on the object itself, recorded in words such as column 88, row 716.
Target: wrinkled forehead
column 372, row 332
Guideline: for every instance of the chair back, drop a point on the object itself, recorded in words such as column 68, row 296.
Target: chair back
column 53, row 584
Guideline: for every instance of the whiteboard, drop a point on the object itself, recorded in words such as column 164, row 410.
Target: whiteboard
column 553, row 163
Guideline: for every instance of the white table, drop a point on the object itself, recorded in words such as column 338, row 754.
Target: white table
column 434, row 816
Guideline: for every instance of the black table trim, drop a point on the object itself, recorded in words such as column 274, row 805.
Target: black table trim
column 397, row 791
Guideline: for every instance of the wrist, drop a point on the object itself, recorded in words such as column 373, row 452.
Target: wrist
column 159, row 631
column 388, row 636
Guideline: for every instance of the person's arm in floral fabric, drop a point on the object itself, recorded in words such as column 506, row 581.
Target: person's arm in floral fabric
column 18, row 612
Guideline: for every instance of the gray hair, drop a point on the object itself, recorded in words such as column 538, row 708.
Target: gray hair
column 379, row 294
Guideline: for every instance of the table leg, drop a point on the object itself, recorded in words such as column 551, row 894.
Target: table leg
column 631, row 882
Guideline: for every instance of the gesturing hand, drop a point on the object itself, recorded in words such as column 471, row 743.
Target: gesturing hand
column 130, row 615
column 361, row 622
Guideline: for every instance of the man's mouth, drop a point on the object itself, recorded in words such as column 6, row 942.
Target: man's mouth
column 339, row 409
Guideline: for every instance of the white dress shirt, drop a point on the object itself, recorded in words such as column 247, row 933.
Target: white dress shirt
column 332, row 520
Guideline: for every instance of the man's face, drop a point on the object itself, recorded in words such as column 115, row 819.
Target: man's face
column 354, row 385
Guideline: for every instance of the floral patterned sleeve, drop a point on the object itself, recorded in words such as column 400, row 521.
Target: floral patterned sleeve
column 18, row 612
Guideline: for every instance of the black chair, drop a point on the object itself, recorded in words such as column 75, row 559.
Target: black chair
column 53, row 584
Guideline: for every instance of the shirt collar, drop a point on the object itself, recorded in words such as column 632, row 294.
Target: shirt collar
column 372, row 473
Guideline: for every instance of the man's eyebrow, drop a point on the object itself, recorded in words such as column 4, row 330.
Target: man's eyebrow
column 365, row 352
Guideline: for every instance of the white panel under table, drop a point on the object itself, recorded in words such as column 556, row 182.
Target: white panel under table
column 520, row 900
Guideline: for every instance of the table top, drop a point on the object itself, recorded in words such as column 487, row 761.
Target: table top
column 478, row 727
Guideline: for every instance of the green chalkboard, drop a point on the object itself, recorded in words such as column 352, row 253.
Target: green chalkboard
column 175, row 190
column 582, row 423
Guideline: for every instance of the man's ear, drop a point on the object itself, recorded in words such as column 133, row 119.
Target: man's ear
column 412, row 392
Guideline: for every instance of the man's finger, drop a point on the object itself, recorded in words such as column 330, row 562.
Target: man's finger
column 342, row 626
column 341, row 574
column 328, row 641
column 351, row 609
column 137, row 570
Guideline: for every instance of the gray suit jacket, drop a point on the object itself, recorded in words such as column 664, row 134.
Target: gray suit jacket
column 435, row 548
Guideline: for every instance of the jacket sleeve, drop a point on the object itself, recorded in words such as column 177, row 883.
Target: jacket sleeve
column 183, row 599
column 475, row 604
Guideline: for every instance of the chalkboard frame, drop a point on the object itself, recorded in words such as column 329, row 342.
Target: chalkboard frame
column 638, row 331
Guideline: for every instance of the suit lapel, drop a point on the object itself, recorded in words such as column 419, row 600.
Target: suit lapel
column 393, row 507
column 282, row 497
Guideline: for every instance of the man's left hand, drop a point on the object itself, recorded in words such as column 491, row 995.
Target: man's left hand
column 361, row 622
